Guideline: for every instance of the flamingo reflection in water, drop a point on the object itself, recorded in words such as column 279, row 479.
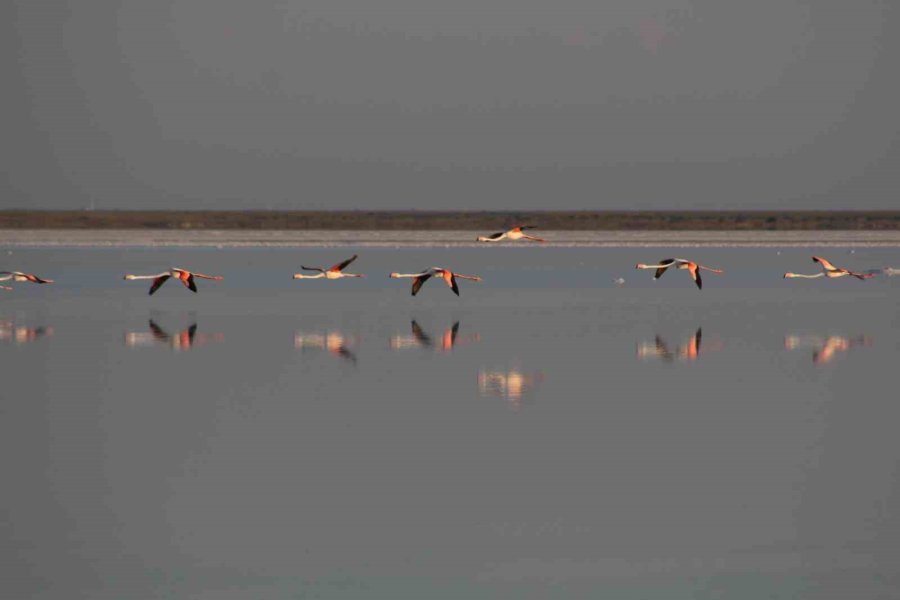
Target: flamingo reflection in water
column 420, row 339
column 334, row 342
column 22, row 334
column 512, row 385
column 185, row 339
column 688, row 351
column 825, row 348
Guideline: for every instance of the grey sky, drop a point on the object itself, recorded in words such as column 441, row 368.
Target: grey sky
column 466, row 104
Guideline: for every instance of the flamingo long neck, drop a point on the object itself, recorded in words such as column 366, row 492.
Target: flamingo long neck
column 802, row 276
column 130, row 277
column 399, row 275
column 643, row 266
column 302, row 276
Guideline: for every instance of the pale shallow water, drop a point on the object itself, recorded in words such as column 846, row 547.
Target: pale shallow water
column 272, row 438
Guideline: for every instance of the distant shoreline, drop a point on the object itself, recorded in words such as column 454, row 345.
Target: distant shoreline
column 323, row 238
column 454, row 220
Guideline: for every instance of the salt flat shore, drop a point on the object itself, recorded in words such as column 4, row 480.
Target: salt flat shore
column 306, row 238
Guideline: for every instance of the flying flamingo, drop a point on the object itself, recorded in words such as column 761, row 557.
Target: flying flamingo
column 679, row 263
column 20, row 276
column 448, row 276
column 186, row 277
column 513, row 234
column 830, row 271
column 335, row 272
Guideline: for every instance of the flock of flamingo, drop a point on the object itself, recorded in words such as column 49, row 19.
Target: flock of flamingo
column 450, row 277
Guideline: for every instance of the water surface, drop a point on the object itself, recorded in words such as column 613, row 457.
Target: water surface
column 548, row 434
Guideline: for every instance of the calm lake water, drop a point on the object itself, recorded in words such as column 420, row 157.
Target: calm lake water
column 548, row 434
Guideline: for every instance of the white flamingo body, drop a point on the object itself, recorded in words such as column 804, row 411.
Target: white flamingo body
column 514, row 234
column 679, row 263
column 183, row 275
column 335, row 272
column 828, row 270
column 447, row 275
